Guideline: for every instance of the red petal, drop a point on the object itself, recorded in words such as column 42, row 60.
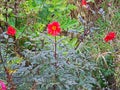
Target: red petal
column 106, row 39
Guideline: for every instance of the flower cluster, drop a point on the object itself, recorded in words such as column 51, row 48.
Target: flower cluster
column 11, row 31
column 54, row 28
column 110, row 36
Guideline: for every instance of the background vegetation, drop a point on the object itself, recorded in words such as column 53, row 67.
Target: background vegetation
column 84, row 60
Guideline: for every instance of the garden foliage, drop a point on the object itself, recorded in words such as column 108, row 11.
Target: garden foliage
column 59, row 45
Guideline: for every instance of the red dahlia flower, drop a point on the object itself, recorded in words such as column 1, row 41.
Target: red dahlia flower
column 2, row 85
column 11, row 31
column 109, row 36
column 83, row 3
column 54, row 28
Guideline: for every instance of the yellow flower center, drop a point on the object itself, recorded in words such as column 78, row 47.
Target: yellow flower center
column 54, row 27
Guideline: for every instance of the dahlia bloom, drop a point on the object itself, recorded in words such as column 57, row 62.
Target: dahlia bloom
column 110, row 36
column 2, row 85
column 54, row 28
column 11, row 31
column 83, row 3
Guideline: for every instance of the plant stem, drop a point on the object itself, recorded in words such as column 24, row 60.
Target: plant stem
column 55, row 55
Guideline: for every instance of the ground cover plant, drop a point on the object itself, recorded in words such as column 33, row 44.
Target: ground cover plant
column 59, row 45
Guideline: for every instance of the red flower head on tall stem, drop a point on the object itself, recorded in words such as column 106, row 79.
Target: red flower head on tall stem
column 2, row 85
column 83, row 3
column 54, row 28
column 11, row 31
column 110, row 36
